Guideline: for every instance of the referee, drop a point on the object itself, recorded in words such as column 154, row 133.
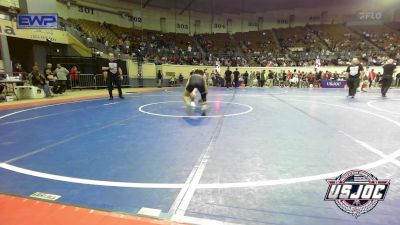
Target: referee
column 113, row 72
column 387, row 78
column 354, row 71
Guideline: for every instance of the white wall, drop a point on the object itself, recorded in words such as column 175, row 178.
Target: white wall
column 1, row 66
column 32, row 6
column 150, row 69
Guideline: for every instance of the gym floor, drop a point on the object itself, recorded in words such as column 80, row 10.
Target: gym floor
column 259, row 156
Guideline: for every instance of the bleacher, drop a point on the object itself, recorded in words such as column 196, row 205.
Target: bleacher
column 383, row 36
column 219, row 43
column 181, row 41
column 341, row 39
column 297, row 37
column 299, row 45
column 96, row 30
column 257, row 41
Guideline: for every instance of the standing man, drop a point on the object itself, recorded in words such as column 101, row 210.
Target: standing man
column 387, row 78
column 398, row 80
column 253, row 79
column 258, row 77
column 206, row 75
column 180, row 79
column 61, row 73
column 354, row 71
column 236, row 78
column 378, row 78
column 50, row 78
column 159, row 78
column 371, row 77
column 263, row 79
column 364, row 82
column 245, row 78
column 113, row 73
column 270, row 78
column 74, row 76
column 228, row 78
column 284, row 79
column 317, row 80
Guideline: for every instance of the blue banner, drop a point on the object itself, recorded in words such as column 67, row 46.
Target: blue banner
column 333, row 83
column 37, row 21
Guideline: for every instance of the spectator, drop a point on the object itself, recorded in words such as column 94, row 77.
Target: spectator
column 236, row 78
column 50, row 77
column 371, row 77
column 172, row 81
column 270, row 78
column 38, row 80
column 159, row 79
column 258, row 77
column 62, row 74
column 180, row 79
column 262, row 78
column 245, row 78
column 228, row 78
column 74, row 76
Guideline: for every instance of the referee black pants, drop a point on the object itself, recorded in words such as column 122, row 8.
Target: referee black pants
column 236, row 81
column 386, row 83
column 353, row 83
column 113, row 79
column 228, row 83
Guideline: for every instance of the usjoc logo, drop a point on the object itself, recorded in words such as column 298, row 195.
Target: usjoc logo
column 356, row 192
column 333, row 84
column 37, row 21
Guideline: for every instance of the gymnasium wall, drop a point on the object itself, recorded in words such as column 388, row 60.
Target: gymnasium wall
column 9, row 3
column 1, row 66
column 150, row 69
column 127, row 14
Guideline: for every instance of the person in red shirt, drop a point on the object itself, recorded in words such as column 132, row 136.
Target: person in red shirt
column 289, row 75
column 371, row 77
column 310, row 79
column 73, row 75
column 325, row 76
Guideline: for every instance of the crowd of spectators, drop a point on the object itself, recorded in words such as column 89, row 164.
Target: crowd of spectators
column 334, row 45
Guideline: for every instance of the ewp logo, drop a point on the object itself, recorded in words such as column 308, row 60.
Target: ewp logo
column 37, row 21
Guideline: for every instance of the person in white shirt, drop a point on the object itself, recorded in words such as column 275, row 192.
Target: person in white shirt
column 354, row 71
column 61, row 73
column 113, row 74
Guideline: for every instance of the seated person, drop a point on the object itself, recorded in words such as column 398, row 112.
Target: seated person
column 2, row 87
column 172, row 81
column 39, row 81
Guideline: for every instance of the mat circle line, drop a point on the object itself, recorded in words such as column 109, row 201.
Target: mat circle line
column 141, row 109
column 370, row 104
column 247, row 184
